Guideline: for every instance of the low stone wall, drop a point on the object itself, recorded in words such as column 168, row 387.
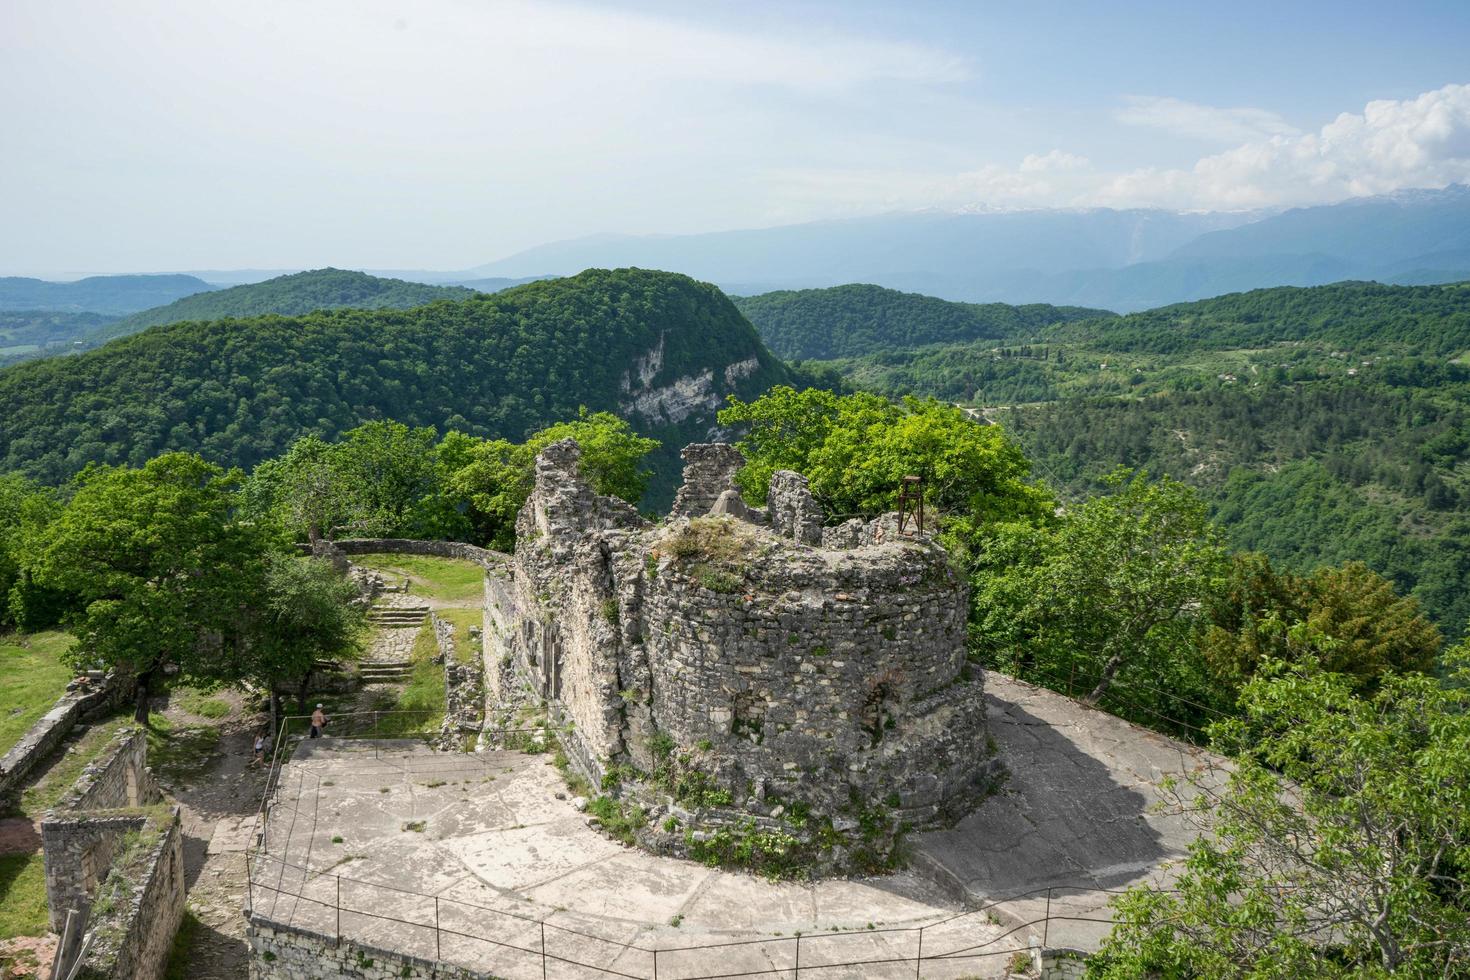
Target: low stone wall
column 280, row 952
column 85, row 698
column 410, row 546
column 80, row 834
column 1059, row 964
column 464, row 689
column 140, row 906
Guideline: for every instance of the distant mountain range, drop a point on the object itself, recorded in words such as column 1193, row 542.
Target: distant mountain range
column 97, row 294
column 1120, row 260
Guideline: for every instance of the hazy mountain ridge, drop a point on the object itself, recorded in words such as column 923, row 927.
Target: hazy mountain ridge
column 97, row 294
column 1123, row 260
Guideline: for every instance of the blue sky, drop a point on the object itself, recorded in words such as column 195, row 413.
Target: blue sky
column 158, row 134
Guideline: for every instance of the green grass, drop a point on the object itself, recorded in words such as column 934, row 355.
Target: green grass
column 465, row 649
column 447, row 579
column 180, row 753
column 40, row 796
column 182, row 951
column 198, row 703
column 424, row 692
column 22, row 895
column 32, row 677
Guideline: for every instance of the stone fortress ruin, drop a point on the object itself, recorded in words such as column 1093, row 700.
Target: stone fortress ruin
column 735, row 671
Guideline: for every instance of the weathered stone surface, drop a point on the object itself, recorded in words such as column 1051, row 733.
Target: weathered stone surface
column 709, row 470
column 771, row 665
column 115, row 797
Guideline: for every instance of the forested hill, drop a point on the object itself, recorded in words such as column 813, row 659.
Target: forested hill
column 239, row 391
column 850, row 321
column 96, row 294
column 1366, row 317
column 319, row 289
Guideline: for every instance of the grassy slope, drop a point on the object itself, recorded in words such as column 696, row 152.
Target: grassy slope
column 32, row 677
column 446, row 579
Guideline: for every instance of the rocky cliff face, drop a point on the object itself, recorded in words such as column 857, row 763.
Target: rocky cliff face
column 734, row 669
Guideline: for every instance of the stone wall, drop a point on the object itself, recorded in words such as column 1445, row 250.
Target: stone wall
column 464, row 689
column 80, row 834
column 763, row 662
column 133, row 932
column 709, row 470
column 85, row 698
column 409, row 546
column 1059, row 964
column 113, row 849
column 281, row 952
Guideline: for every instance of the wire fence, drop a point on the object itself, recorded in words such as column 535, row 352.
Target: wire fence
column 342, row 908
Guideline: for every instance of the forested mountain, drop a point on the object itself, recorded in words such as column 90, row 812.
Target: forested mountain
column 97, row 294
column 32, row 333
column 849, row 321
column 1117, row 260
column 303, row 292
column 1322, row 424
column 661, row 349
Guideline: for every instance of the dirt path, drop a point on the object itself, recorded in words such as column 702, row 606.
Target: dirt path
column 219, row 805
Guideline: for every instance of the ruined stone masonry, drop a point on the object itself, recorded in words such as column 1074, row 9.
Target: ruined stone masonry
column 768, row 661
column 113, row 849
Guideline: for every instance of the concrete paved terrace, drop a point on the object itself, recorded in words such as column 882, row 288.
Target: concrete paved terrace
column 377, row 841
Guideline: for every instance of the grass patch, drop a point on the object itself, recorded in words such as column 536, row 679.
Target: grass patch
column 23, row 888
column 448, row 579
column 180, row 753
column 182, row 951
column 43, row 794
column 466, row 651
column 196, row 702
column 32, row 677
column 423, row 694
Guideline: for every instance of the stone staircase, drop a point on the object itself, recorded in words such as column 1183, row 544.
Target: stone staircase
column 398, row 617
column 385, row 671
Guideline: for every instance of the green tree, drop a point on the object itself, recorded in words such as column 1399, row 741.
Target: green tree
column 856, row 449
column 305, row 489
column 497, row 476
column 307, row 612
column 159, row 564
column 1336, row 844
column 1116, row 583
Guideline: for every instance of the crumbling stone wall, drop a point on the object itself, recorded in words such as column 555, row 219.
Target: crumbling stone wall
column 132, row 898
column 80, row 833
column 464, row 692
column 780, row 663
column 131, row 938
column 282, row 952
column 86, row 697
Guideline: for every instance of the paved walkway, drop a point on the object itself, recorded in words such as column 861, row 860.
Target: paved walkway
column 1076, row 813
column 484, row 846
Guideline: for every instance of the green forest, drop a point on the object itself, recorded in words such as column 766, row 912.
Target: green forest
column 303, row 292
column 1320, row 424
column 850, row 321
column 240, row 391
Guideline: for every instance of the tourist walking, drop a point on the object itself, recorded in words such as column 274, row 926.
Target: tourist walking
column 318, row 722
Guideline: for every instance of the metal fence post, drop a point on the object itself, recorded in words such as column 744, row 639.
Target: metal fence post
column 339, row 910
column 919, row 957
column 437, row 957
column 543, row 949
column 798, row 956
column 655, row 963
column 1046, row 923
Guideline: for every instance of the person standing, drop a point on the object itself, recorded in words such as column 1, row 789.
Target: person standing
column 259, row 758
column 318, row 722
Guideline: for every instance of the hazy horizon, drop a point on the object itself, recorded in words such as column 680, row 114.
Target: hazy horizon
column 446, row 135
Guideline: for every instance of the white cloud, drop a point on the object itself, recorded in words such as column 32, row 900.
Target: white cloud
column 1202, row 121
column 1391, row 145
column 1055, row 160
